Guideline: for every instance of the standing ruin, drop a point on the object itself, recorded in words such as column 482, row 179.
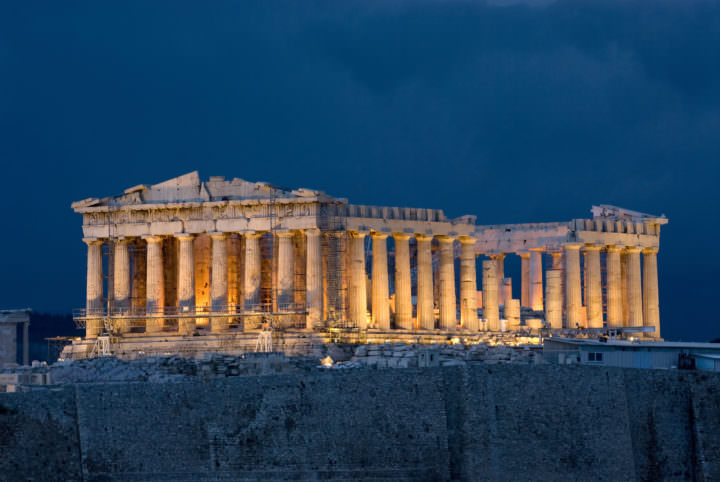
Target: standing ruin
column 187, row 257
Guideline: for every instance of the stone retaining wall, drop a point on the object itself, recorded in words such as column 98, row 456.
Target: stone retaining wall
column 475, row 422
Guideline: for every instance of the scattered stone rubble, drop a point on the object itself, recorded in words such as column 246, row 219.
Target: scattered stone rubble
column 402, row 355
column 174, row 368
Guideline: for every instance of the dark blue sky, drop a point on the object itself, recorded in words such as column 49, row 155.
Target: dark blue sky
column 513, row 111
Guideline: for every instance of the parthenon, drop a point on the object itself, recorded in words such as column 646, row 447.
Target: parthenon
column 189, row 257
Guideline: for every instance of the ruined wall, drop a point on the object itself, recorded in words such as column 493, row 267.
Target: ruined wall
column 499, row 422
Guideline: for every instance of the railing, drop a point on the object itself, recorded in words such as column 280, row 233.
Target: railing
column 187, row 311
column 286, row 315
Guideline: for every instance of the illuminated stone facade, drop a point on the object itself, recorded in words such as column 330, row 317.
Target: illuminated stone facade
column 186, row 257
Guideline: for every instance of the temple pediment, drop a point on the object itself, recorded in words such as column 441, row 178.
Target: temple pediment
column 189, row 188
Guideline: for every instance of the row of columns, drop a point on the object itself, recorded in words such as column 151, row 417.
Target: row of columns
column 563, row 290
column 154, row 282
column 631, row 293
column 380, row 295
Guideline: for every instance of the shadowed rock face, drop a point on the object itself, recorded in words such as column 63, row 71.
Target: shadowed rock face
column 476, row 422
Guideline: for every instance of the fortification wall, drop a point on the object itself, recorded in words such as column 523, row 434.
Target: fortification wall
column 477, row 422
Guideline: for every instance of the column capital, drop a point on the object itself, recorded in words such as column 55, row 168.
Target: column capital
column 91, row 241
column 572, row 246
column 444, row 238
column 376, row 235
column 495, row 255
column 311, row 232
column 401, row 236
column 253, row 234
column 357, row 234
column 218, row 235
column 651, row 250
column 464, row 239
column 153, row 239
column 523, row 254
column 285, row 233
column 592, row 247
column 613, row 248
column 185, row 236
column 537, row 250
column 423, row 237
column 633, row 249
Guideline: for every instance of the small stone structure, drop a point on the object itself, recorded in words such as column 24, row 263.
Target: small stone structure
column 188, row 257
column 9, row 319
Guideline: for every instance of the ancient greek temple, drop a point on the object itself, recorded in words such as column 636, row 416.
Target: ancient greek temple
column 189, row 258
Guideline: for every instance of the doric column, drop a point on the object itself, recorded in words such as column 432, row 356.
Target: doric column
column 186, row 282
column 524, row 278
column 634, row 288
column 468, row 284
column 425, row 308
column 593, row 287
column 358, row 286
column 500, row 274
column 491, row 312
column 313, row 282
column 121, row 281
column 448, row 310
column 573, row 291
column 403, row 287
column 139, row 276
column 553, row 298
column 380, row 290
column 286, row 270
column 155, row 284
column 651, row 300
column 536, row 280
column 218, row 281
column 121, row 275
column 252, row 271
column 624, row 286
column 94, row 293
column 613, row 289
column 506, row 290
column 557, row 260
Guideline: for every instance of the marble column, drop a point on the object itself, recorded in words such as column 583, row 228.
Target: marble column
column 553, row 298
column 286, row 270
column 380, row 290
column 121, row 282
column 186, row 282
column 536, row 280
column 313, row 275
column 624, row 287
column 557, row 260
column 634, row 287
column 491, row 311
column 425, row 308
column 155, row 285
column 593, row 287
column 651, row 300
column 500, row 274
column 139, row 276
column 94, row 293
column 252, row 275
column 121, row 275
column 524, row 279
column 358, row 285
column 573, row 291
column 468, row 284
column 614, row 315
column 218, row 281
column 448, row 309
column 403, row 283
